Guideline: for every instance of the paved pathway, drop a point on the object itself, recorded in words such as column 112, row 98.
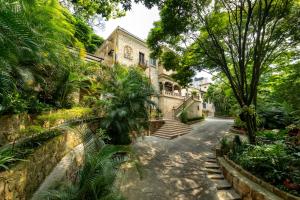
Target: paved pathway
column 173, row 169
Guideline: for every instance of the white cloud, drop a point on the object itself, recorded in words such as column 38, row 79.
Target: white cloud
column 138, row 21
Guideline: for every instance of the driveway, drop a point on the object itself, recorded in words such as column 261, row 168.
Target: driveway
column 173, row 169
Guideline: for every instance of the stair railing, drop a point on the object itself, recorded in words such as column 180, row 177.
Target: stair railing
column 180, row 108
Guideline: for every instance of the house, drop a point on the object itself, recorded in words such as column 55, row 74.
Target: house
column 122, row 47
column 203, row 84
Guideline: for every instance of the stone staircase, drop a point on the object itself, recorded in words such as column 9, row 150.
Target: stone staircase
column 224, row 188
column 172, row 129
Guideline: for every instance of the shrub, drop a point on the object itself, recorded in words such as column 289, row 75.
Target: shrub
column 238, row 123
column 65, row 114
column 269, row 161
column 33, row 130
column 196, row 118
column 96, row 179
column 272, row 134
column 274, row 117
column 183, row 116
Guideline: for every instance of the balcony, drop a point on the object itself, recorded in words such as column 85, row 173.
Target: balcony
column 171, row 94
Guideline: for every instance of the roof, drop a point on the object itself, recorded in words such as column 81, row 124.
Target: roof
column 132, row 35
column 127, row 33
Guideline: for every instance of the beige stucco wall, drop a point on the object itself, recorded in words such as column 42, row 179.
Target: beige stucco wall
column 166, row 105
column 194, row 110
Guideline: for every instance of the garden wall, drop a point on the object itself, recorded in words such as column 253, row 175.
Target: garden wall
column 249, row 186
column 20, row 181
column 11, row 125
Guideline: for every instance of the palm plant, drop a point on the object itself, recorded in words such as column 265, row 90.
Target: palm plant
column 127, row 103
column 96, row 179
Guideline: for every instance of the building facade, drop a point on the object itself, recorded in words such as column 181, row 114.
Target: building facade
column 122, row 47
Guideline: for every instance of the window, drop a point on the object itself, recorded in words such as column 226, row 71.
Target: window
column 141, row 58
column 204, row 105
column 152, row 61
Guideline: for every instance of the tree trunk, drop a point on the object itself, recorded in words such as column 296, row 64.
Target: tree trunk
column 251, row 127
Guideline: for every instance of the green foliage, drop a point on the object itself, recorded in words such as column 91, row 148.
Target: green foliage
column 239, row 123
column 12, row 153
column 33, row 130
column 183, row 116
column 272, row 134
column 274, row 116
column 268, row 161
column 276, row 162
column 126, row 104
column 220, row 94
column 96, row 179
column 66, row 114
column 85, row 34
column 35, row 62
column 196, row 118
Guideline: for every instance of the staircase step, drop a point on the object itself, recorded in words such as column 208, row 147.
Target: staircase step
column 222, row 184
column 213, row 171
column 211, row 156
column 215, row 176
column 228, row 195
column 175, row 126
column 212, row 165
column 211, row 161
column 164, row 137
column 178, row 132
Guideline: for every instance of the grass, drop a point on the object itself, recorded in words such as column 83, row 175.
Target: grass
column 66, row 114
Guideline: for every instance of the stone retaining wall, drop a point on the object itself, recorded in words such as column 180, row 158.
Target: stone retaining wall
column 249, row 186
column 66, row 169
column 12, row 125
column 22, row 180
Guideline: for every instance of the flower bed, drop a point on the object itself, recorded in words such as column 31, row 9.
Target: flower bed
column 275, row 159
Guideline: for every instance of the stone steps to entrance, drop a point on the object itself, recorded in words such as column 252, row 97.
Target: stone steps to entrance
column 215, row 176
column 212, row 165
column 221, row 184
column 172, row 129
column 228, row 195
column 224, row 188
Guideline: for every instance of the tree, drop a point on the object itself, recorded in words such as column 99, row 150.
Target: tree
column 220, row 94
column 85, row 34
column 239, row 38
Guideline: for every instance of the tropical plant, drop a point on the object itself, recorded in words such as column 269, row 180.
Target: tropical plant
column 127, row 101
column 37, row 69
column 96, row 178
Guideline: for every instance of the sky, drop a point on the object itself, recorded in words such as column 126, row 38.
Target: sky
column 138, row 21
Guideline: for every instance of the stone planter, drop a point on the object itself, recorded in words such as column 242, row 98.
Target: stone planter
column 23, row 179
column 249, row 186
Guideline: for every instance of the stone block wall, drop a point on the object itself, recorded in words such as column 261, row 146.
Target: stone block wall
column 249, row 186
column 11, row 125
column 20, row 181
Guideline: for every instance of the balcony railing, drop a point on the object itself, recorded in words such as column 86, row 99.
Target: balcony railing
column 170, row 93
